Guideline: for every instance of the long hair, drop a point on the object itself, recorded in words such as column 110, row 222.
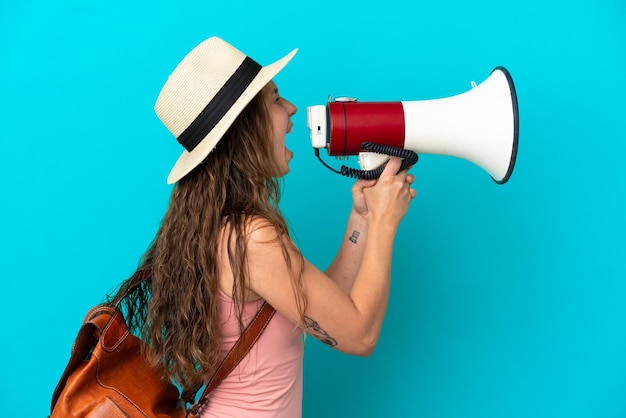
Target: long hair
column 172, row 300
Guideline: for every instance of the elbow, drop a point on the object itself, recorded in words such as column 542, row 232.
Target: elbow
column 365, row 339
column 364, row 347
column 365, row 351
column 367, row 348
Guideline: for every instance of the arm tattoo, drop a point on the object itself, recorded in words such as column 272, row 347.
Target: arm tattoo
column 355, row 236
column 313, row 328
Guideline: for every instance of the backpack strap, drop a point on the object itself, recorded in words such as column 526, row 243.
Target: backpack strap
column 241, row 348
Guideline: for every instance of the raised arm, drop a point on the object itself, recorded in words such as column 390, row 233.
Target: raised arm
column 350, row 322
column 345, row 266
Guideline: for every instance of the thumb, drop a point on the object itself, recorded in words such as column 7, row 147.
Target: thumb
column 364, row 184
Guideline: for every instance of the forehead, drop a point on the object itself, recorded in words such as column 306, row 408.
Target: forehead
column 271, row 87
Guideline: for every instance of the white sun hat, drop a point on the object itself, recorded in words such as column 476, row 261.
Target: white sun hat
column 206, row 92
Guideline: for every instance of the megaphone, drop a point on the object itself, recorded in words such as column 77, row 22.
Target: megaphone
column 480, row 125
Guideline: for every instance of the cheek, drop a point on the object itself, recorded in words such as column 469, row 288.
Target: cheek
column 279, row 118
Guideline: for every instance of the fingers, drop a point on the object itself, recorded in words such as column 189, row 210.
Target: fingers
column 408, row 181
column 392, row 167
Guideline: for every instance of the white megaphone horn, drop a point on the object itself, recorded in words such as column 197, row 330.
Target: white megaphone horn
column 480, row 125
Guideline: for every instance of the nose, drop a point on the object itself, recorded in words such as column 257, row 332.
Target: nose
column 291, row 108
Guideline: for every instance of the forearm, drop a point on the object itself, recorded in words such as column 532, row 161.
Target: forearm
column 371, row 287
column 345, row 267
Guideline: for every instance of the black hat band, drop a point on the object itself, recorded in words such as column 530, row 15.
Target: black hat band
column 220, row 104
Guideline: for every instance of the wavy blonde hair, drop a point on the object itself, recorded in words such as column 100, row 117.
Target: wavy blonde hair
column 171, row 302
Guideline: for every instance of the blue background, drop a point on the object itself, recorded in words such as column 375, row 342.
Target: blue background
column 507, row 301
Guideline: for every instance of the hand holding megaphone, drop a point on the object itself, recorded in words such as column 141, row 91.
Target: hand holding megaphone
column 389, row 198
column 480, row 125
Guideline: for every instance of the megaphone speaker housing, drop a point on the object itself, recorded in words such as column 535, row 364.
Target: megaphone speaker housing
column 480, row 125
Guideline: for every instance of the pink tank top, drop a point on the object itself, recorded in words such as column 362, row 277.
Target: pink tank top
column 268, row 381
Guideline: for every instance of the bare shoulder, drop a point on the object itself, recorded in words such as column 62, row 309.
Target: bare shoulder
column 271, row 255
column 261, row 230
column 264, row 254
column 263, row 236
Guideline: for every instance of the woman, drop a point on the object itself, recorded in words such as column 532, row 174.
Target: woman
column 223, row 246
